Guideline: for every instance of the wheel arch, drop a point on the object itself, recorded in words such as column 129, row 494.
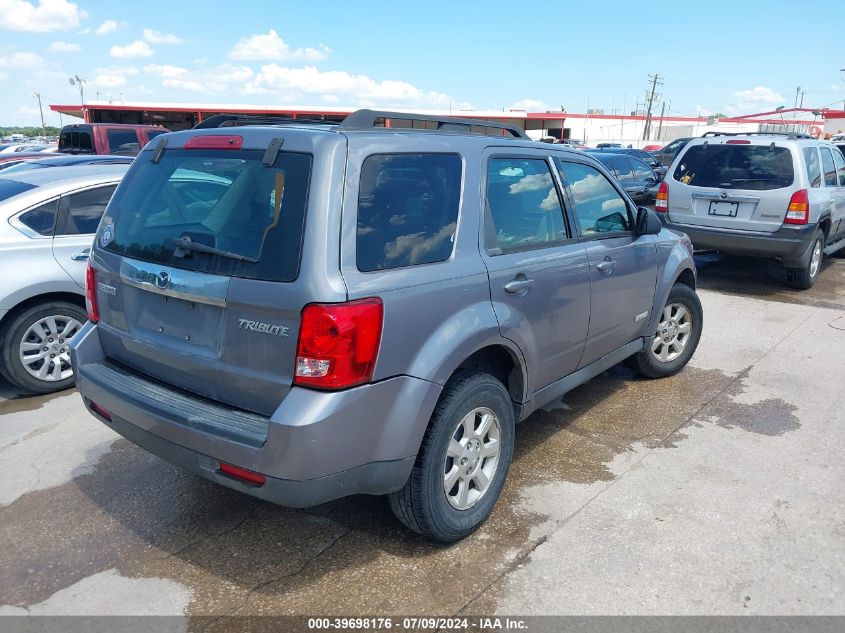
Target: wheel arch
column 679, row 267
column 38, row 299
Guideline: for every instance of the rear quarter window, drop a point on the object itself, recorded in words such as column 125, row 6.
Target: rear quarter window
column 722, row 166
column 407, row 210
column 814, row 172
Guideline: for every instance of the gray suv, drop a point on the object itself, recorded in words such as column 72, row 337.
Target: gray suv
column 765, row 195
column 369, row 307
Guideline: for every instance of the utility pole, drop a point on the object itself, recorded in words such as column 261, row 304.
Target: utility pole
column 37, row 95
column 660, row 126
column 797, row 93
column 656, row 80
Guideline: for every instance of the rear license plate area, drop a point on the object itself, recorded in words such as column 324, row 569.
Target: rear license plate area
column 726, row 209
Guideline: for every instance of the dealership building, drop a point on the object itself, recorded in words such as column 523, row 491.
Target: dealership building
column 592, row 127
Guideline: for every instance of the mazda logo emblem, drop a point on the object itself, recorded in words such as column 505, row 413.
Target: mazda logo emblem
column 163, row 279
column 723, row 195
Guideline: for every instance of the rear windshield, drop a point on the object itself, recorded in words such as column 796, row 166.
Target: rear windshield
column 76, row 139
column 9, row 188
column 226, row 200
column 757, row 167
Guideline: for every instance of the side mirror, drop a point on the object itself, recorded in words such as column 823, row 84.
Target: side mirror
column 647, row 222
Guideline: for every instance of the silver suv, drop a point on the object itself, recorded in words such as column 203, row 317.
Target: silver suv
column 369, row 307
column 47, row 223
column 765, row 195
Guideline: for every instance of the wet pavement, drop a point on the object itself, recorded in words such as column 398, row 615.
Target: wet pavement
column 684, row 495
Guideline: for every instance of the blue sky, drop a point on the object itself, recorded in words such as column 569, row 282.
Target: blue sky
column 732, row 57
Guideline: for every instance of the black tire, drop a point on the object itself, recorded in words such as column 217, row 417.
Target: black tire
column 803, row 278
column 422, row 504
column 11, row 365
column 647, row 364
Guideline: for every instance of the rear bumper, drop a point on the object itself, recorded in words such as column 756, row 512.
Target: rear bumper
column 788, row 243
column 319, row 446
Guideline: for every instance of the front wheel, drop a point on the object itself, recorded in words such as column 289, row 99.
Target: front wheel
column 35, row 351
column 463, row 461
column 673, row 343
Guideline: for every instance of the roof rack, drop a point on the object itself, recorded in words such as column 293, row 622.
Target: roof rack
column 367, row 119
column 789, row 135
column 237, row 120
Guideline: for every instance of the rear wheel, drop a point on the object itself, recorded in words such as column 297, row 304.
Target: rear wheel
column 676, row 337
column 805, row 276
column 463, row 461
column 35, row 348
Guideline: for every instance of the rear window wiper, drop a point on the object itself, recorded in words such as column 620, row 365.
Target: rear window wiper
column 185, row 245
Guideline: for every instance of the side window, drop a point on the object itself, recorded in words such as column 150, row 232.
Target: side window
column 622, row 168
column 524, row 209
column 828, row 167
column 41, row 219
column 599, row 207
column 641, row 170
column 839, row 161
column 407, row 209
column 81, row 212
column 814, row 171
column 123, row 142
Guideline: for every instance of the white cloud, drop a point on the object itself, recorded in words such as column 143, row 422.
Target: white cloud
column 21, row 60
column 157, row 37
column 3, row 76
column 215, row 79
column 291, row 83
column 138, row 48
column 105, row 80
column 756, row 99
column 112, row 76
column 31, row 111
column 529, row 105
column 64, row 47
column 106, row 27
column 166, row 71
column 45, row 17
column 269, row 46
column 187, row 84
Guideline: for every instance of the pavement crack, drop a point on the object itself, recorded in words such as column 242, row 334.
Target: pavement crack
column 206, row 537
column 266, row 583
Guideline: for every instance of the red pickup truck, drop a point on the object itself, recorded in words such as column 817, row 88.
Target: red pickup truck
column 107, row 138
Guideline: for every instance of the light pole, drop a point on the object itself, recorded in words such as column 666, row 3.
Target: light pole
column 37, row 95
column 76, row 81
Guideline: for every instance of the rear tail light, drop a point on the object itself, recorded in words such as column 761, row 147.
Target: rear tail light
column 215, row 141
column 798, row 211
column 338, row 344
column 248, row 476
column 661, row 199
column 91, row 294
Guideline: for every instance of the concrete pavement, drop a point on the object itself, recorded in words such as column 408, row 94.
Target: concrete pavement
column 720, row 490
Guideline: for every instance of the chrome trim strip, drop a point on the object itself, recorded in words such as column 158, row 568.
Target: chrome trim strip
column 717, row 195
column 183, row 284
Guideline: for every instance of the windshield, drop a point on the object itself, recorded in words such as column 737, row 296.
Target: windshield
column 226, row 200
column 9, row 188
column 756, row 167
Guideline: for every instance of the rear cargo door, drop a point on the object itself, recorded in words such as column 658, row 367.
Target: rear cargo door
column 729, row 185
column 201, row 251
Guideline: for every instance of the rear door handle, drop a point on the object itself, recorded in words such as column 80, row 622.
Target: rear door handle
column 81, row 255
column 606, row 266
column 519, row 285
